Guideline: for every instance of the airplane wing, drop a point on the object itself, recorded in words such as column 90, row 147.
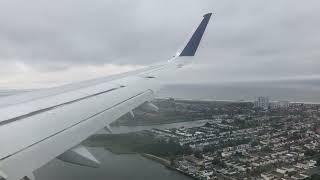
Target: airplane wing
column 38, row 126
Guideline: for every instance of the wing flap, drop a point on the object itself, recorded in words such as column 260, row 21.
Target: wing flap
column 80, row 155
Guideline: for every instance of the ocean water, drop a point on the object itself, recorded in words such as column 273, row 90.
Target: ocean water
column 294, row 91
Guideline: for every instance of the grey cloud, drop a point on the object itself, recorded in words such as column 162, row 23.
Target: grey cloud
column 246, row 38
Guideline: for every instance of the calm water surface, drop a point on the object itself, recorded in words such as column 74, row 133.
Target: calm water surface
column 116, row 167
column 113, row 167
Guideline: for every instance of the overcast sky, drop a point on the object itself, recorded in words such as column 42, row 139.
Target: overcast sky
column 46, row 43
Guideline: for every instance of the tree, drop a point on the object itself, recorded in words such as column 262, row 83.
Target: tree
column 198, row 155
column 219, row 162
column 254, row 143
column 310, row 152
column 266, row 149
column 313, row 177
column 318, row 162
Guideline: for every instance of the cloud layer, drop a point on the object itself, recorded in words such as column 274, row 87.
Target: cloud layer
column 248, row 39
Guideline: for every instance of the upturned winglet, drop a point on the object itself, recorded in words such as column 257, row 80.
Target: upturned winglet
column 193, row 43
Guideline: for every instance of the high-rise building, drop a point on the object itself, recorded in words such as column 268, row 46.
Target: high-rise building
column 262, row 102
column 279, row 104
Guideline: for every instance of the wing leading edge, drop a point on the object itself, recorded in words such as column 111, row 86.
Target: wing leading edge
column 36, row 127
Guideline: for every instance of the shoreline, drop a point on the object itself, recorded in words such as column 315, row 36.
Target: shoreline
column 165, row 163
column 237, row 101
column 158, row 123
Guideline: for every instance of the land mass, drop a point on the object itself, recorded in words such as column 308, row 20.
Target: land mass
column 174, row 111
column 137, row 142
column 239, row 140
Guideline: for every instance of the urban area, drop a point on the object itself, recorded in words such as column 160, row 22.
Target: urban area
column 239, row 140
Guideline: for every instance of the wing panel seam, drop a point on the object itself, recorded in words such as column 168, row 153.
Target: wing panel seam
column 88, row 118
column 53, row 107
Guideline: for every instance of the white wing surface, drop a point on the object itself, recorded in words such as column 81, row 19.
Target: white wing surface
column 38, row 126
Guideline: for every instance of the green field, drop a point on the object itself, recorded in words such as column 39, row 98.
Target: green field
column 141, row 142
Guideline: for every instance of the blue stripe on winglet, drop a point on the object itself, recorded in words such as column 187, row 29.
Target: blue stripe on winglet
column 195, row 39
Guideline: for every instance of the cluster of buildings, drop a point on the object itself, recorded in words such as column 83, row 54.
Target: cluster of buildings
column 264, row 103
column 245, row 142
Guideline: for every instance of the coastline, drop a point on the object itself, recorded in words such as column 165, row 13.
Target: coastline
column 118, row 152
column 159, row 123
column 165, row 163
column 241, row 100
